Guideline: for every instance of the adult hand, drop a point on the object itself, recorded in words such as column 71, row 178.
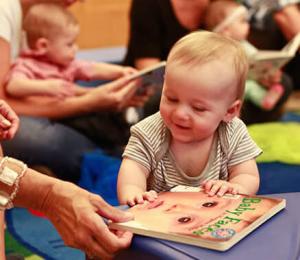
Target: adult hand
column 76, row 215
column 117, row 95
column 9, row 121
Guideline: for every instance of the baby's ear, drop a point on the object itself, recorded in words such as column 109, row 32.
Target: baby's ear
column 233, row 111
column 41, row 46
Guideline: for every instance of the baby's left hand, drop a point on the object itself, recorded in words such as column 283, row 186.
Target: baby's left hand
column 219, row 187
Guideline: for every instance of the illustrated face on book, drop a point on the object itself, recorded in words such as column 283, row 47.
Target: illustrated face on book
column 196, row 211
column 195, row 99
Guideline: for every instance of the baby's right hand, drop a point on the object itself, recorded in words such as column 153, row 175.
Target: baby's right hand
column 142, row 197
column 60, row 88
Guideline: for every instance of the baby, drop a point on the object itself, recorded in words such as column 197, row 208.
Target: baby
column 230, row 18
column 196, row 139
column 49, row 66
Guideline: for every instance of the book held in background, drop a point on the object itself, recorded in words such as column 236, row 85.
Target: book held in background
column 264, row 62
column 152, row 76
column 192, row 217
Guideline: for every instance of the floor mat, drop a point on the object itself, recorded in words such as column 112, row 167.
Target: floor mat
column 35, row 238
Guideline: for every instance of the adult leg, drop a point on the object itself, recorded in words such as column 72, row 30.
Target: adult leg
column 42, row 142
column 109, row 130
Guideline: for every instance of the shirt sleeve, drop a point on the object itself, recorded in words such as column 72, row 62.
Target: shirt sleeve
column 241, row 146
column 82, row 69
column 19, row 69
column 5, row 28
column 137, row 148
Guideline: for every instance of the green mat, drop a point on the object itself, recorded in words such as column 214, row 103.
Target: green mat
column 280, row 142
column 13, row 246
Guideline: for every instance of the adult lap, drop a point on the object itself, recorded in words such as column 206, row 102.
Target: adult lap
column 40, row 141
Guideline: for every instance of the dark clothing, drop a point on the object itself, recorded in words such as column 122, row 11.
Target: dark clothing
column 109, row 130
column 154, row 29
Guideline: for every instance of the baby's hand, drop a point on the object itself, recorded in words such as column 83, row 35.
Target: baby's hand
column 140, row 198
column 60, row 88
column 219, row 187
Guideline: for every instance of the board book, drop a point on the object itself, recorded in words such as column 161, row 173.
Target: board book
column 263, row 62
column 192, row 217
column 151, row 76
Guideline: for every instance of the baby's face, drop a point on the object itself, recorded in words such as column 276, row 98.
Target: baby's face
column 239, row 29
column 195, row 99
column 62, row 49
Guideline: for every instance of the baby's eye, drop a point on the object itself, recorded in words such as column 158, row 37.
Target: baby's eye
column 210, row 204
column 184, row 219
column 198, row 109
column 172, row 99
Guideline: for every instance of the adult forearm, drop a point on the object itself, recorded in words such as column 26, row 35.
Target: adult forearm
column 49, row 107
column 32, row 190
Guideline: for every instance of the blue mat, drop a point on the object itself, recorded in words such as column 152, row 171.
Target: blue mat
column 99, row 174
column 39, row 236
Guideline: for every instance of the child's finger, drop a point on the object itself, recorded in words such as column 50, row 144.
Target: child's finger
column 223, row 189
column 139, row 199
column 207, row 185
column 235, row 190
column 214, row 189
column 150, row 195
column 131, row 202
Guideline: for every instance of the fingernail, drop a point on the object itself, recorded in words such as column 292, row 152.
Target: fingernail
column 6, row 122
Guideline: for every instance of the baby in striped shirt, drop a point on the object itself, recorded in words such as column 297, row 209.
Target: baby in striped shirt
column 196, row 139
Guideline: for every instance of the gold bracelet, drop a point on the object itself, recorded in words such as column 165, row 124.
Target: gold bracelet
column 10, row 176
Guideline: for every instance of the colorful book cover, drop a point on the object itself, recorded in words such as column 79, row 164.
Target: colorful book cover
column 197, row 219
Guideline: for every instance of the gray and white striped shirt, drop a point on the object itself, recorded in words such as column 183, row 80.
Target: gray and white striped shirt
column 149, row 146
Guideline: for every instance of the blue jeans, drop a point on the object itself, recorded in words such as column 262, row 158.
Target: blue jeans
column 40, row 141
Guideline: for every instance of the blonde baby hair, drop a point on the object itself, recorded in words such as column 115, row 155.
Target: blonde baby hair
column 46, row 20
column 200, row 47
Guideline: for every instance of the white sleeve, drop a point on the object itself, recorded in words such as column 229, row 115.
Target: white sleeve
column 5, row 21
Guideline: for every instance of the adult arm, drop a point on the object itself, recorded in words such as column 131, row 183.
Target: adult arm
column 288, row 20
column 75, row 213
